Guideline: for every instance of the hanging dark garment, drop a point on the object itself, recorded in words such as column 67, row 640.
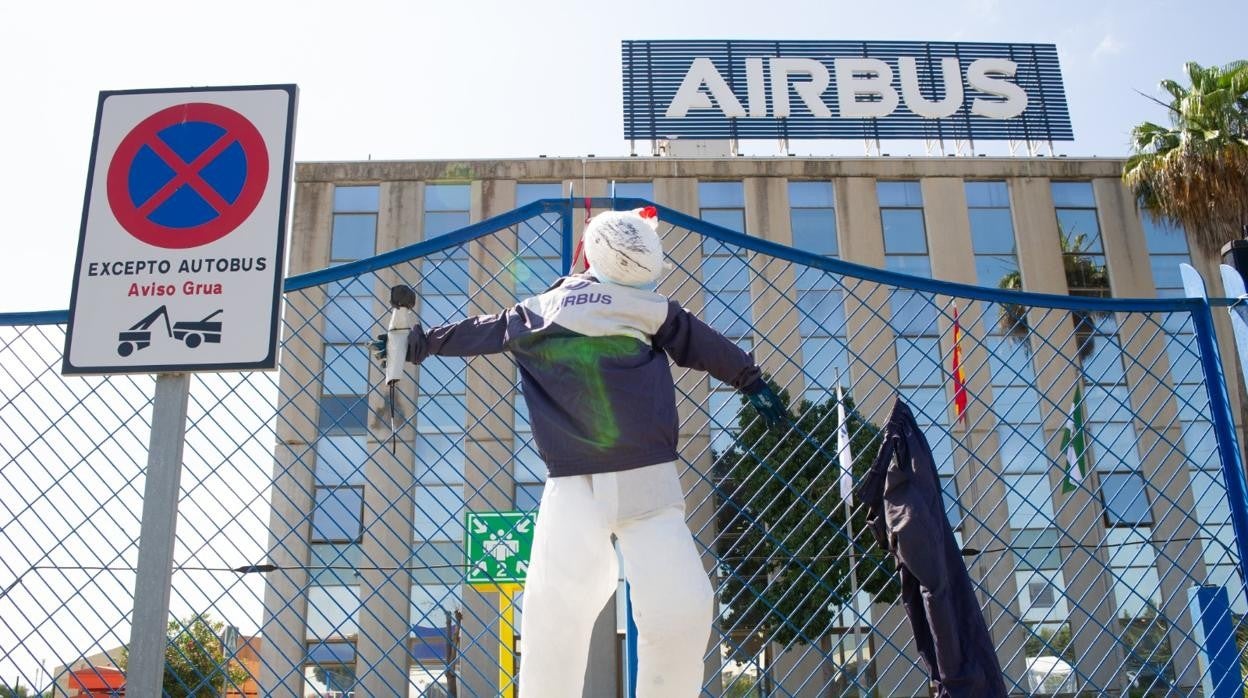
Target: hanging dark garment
column 906, row 513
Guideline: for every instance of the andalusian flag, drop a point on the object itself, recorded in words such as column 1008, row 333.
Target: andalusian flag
column 1075, row 445
column 959, row 376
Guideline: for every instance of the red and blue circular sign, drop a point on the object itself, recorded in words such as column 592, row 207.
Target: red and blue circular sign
column 188, row 175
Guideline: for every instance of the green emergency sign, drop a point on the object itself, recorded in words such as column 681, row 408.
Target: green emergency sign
column 499, row 545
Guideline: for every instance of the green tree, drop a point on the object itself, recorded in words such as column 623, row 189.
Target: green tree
column 1195, row 171
column 195, row 665
column 17, row 690
column 783, row 544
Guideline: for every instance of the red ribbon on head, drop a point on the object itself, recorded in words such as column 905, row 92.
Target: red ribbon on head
column 580, row 245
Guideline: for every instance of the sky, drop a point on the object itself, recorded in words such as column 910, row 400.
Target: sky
column 393, row 80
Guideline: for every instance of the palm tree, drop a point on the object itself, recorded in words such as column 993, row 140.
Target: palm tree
column 1195, row 172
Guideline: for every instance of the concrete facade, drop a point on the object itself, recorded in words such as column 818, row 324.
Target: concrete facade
column 489, row 435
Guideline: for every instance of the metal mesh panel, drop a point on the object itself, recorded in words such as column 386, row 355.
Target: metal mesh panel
column 318, row 554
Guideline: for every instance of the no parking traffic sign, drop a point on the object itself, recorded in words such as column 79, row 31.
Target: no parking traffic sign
column 181, row 249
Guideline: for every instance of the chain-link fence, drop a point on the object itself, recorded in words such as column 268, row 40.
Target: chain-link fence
column 321, row 541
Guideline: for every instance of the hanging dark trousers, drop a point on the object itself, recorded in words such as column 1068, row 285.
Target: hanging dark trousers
column 906, row 513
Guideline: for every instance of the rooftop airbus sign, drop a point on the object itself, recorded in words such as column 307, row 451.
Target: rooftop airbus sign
column 843, row 89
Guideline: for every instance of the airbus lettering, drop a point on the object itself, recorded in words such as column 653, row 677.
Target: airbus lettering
column 798, row 89
column 864, row 88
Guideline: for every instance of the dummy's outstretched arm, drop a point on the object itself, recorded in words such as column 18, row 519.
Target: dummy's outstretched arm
column 474, row 336
column 692, row 343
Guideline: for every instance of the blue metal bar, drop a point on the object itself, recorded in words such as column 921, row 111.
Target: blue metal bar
column 417, row 250
column 1224, row 430
column 630, row 643
column 1215, row 634
column 564, row 208
column 40, row 317
column 891, row 278
column 566, row 236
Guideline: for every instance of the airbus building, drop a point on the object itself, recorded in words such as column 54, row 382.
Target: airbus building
column 849, row 272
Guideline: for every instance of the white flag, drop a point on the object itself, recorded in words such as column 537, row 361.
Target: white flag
column 842, row 444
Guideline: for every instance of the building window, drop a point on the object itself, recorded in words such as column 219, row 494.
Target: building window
column 1042, row 595
column 539, row 263
column 723, row 204
column 992, row 232
column 539, row 260
column 1126, row 503
column 337, row 515
column 355, row 223
column 341, row 453
column 921, row 380
column 812, row 217
column 333, row 612
column 1083, row 254
column 1137, row 595
column 349, row 313
column 437, row 528
column 819, row 295
column 330, row 668
column 528, row 469
column 1043, row 604
column 1123, row 491
column 335, row 520
column 726, row 291
column 444, row 299
column 634, row 190
column 1167, row 249
column 1015, row 400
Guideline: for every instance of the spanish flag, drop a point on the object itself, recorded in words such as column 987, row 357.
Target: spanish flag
column 959, row 378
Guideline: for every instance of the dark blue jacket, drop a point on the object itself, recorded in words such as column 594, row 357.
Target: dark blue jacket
column 906, row 514
column 593, row 361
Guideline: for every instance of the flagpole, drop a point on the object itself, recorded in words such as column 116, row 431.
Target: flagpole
column 853, row 581
column 843, row 428
column 961, row 408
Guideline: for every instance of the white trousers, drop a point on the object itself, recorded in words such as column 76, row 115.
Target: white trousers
column 573, row 573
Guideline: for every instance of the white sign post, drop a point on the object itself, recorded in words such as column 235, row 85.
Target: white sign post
column 179, row 269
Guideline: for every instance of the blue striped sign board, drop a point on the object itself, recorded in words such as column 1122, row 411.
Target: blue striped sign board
column 843, row 89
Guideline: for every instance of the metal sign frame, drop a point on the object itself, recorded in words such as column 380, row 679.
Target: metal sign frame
column 204, row 325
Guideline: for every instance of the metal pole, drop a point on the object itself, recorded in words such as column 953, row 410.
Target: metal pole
column 1213, row 627
column 567, row 232
column 506, row 640
column 1233, row 286
column 630, row 643
column 1220, row 414
column 154, row 572
column 853, row 582
column 853, row 560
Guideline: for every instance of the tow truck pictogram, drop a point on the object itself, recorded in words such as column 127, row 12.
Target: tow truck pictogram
column 191, row 332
